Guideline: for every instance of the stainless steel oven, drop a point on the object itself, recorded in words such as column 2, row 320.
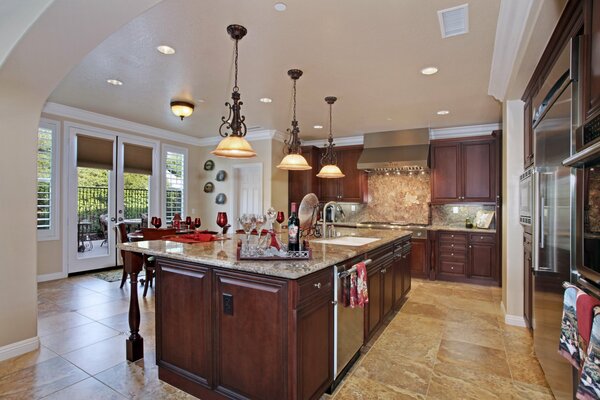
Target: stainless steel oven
column 526, row 196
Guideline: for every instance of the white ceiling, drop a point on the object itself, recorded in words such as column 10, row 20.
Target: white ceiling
column 367, row 53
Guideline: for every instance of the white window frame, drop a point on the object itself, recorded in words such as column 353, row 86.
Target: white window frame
column 163, row 187
column 53, row 232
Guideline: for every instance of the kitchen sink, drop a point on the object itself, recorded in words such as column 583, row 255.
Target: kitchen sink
column 347, row 240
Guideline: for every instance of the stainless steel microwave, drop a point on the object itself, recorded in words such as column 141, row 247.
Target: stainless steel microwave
column 526, row 197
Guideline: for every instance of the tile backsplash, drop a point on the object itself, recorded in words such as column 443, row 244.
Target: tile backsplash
column 405, row 198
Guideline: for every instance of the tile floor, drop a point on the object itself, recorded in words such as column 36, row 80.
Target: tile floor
column 449, row 341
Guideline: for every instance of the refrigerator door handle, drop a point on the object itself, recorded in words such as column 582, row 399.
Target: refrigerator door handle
column 542, row 208
column 535, row 219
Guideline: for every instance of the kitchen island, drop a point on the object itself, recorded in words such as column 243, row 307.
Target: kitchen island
column 257, row 329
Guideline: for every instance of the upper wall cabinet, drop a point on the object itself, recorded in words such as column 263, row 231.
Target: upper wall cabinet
column 353, row 188
column 464, row 170
column 300, row 183
column 591, row 59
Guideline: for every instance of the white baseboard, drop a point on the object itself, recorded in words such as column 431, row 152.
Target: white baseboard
column 18, row 348
column 51, row 277
column 515, row 320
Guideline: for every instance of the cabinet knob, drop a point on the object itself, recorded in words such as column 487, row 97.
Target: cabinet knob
column 452, row 236
column 451, row 267
column 318, row 285
column 383, row 271
column 470, row 246
column 452, row 254
column 452, row 245
column 481, row 237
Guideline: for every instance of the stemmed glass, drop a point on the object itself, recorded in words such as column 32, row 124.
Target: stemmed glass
column 197, row 222
column 157, row 222
column 221, row 221
column 260, row 221
column 153, row 221
column 280, row 218
column 248, row 222
column 188, row 222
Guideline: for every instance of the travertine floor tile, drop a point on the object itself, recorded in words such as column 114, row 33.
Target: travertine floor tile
column 89, row 388
column 488, row 337
column 75, row 338
column 60, row 322
column 367, row 389
column 26, row 360
column 474, row 357
column 99, row 356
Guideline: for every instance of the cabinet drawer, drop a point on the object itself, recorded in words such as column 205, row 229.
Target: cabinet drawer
column 482, row 238
column 381, row 253
column 315, row 284
column 452, row 237
column 452, row 267
column 450, row 247
column 456, row 256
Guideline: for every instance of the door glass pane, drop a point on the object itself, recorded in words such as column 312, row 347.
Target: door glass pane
column 92, row 212
column 135, row 198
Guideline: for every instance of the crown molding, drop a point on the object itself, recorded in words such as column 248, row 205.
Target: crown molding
column 251, row 136
column 339, row 142
column 463, row 131
column 117, row 123
column 510, row 31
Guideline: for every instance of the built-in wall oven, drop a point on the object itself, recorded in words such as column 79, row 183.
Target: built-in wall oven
column 526, row 197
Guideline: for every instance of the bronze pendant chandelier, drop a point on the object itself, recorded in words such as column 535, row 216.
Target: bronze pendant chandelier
column 330, row 170
column 294, row 161
column 233, row 127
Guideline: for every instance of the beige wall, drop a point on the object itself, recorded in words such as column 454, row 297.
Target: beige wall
column 25, row 84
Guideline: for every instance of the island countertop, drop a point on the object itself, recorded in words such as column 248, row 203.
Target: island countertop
column 223, row 254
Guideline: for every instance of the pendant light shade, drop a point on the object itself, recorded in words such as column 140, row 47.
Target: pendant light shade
column 294, row 160
column 233, row 127
column 330, row 170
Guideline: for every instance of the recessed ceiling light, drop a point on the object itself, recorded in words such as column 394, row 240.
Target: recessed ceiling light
column 280, row 6
column 389, row 119
column 429, row 71
column 164, row 49
column 266, row 100
column 318, row 126
column 114, row 82
column 443, row 112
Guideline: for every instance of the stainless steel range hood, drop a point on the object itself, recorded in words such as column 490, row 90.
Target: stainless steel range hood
column 406, row 149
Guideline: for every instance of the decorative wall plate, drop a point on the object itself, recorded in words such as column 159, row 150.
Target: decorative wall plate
column 209, row 187
column 209, row 165
column 221, row 175
column 221, row 199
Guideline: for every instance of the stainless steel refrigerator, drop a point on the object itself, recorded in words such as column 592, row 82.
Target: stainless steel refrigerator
column 553, row 120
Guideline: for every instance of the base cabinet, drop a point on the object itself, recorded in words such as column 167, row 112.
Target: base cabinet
column 419, row 266
column 373, row 311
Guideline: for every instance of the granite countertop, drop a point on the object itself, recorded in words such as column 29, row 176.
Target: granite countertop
column 459, row 229
column 223, row 255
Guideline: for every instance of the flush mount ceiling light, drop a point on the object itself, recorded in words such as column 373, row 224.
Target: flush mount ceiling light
column 182, row 109
column 443, row 112
column 330, row 169
column 294, row 161
column 166, row 50
column 266, row 100
column 114, row 82
column 233, row 128
column 429, row 71
column 280, row 7
column 318, row 126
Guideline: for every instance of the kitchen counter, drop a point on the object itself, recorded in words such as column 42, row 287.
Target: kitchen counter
column 459, row 229
column 213, row 254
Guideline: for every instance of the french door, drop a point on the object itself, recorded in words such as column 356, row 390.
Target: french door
column 112, row 178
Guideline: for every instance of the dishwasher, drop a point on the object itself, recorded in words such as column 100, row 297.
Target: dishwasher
column 348, row 327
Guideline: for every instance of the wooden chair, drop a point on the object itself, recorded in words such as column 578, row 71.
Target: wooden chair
column 122, row 237
column 149, row 261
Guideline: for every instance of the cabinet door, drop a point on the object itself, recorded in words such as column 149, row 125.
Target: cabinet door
column 445, row 175
column 407, row 275
column 478, row 171
column 388, row 287
column 374, row 307
column 251, row 319
column 398, row 279
column 528, row 136
column 315, row 346
column 183, row 338
column 528, row 280
column 591, row 59
column 352, row 187
column 418, row 258
column 482, row 259
column 300, row 183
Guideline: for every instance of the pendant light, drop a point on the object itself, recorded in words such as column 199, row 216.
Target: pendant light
column 294, row 161
column 234, row 144
column 330, row 169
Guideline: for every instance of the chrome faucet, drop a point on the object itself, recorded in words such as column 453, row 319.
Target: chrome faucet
column 331, row 232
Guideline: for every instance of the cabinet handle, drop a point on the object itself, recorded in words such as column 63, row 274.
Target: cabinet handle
column 334, row 302
column 318, row 285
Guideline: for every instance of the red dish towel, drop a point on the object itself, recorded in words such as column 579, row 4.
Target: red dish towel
column 353, row 293
column 191, row 238
column 359, row 294
column 585, row 317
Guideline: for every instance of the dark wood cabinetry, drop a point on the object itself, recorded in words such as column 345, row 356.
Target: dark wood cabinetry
column 352, row 188
column 528, row 280
column 464, row 170
column 462, row 256
column 591, row 59
column 373, row 311
column 528, row 156
column 300, row 183
column 419, row 265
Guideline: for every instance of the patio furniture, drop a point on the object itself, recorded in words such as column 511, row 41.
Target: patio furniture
column 83, row 236
column 150, row 261
column 144, row 220
column 121, row 231
column 103, row 219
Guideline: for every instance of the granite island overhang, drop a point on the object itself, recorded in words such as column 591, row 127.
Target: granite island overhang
column 248, row 329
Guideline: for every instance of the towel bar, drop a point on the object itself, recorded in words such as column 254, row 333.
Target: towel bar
column 352, row 269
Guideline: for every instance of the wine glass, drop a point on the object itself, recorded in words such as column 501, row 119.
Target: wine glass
column 221, row 220
column 260, row 221
column 280, row 218
column 158, row 222
column 153, row 221
column 197, row 222
column 188, row 222
column 248, row 222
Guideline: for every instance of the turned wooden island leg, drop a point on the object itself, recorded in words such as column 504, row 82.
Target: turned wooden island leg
column 133, row 263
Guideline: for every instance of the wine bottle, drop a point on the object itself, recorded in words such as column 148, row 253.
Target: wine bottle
column 293, row 230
